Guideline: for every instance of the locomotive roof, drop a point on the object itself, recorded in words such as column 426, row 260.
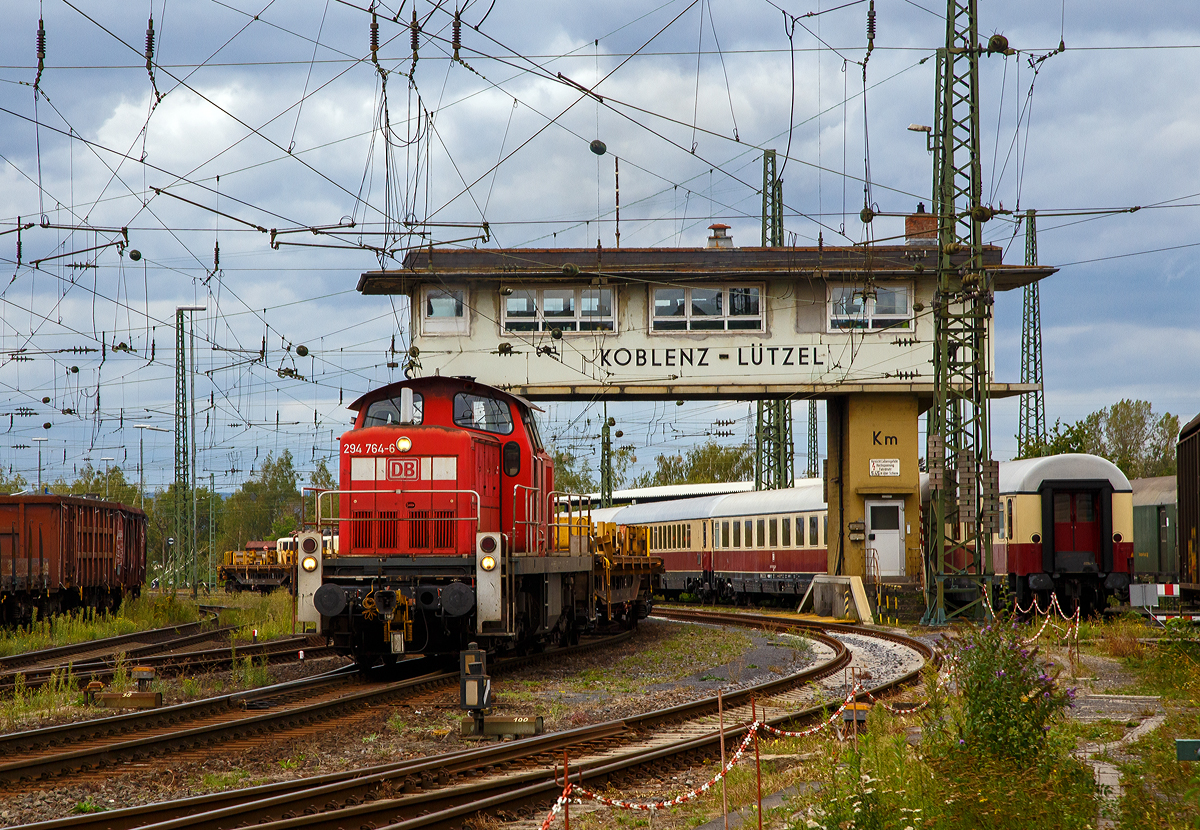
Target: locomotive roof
column 804, row 497
column 1027, row 475
column 417, row 384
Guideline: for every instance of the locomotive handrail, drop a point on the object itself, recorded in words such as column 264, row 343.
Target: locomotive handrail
column 474, row 494
column 534, row 541
column 553, row 500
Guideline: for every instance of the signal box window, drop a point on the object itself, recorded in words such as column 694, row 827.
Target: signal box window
column 736, row 308
column 885, row 306
column 444, row 310
column 566, row 309
column 480, row 412
column 386, row 412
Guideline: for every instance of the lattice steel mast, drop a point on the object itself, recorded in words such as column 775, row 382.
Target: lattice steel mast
column 1031, row 427
column 183, row 494
column 774, row 451
column 963, row 479
column 813, row 470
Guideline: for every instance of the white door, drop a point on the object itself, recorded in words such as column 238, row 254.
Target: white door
column 885, row 534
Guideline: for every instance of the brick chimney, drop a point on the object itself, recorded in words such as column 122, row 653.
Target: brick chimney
column 920, row 228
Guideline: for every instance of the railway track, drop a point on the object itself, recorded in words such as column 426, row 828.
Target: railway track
column 61, row 655
column 174, row 658
column 517, row 778
column 40, row 758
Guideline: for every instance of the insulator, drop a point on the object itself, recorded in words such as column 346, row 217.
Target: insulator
column 149, row 43
column 416, row 32
column 871, row 23
column 41, row 41
column 374, row 33
column 457, row 37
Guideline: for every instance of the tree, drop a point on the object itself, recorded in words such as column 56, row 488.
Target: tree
column 573, row 473
column 1128, row 433
column 323, row 479
column 12, row 483
column 703, row 464
column 267, row 506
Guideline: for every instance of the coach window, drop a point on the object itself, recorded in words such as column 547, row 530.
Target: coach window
column 749, row 533
column 737, row 534
column 724, row 534
column 482, row 412
column 786, row 527
column 689, row 535
column 774, row 532
column 444, row 310
column 386, row 412
column 857, row 306
column 825, row 530
column 1010, row 523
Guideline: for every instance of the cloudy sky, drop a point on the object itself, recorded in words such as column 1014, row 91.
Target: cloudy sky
column 271, row 115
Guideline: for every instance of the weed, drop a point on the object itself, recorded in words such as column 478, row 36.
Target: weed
column 88, row 806
column 397, row 724
column 291, row 763
column 370, row 739
column 224, row 780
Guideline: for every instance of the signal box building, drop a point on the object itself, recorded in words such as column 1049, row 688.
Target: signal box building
column 848, row 325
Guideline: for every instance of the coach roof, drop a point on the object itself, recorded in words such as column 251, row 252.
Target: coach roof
column 1027, row 475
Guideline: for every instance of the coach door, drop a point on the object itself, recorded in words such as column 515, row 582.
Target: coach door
column 885, row 520
column 1076, row 531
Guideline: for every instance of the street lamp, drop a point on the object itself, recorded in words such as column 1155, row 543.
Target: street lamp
column 142, row 459
column 106, row 459
column 40, row 441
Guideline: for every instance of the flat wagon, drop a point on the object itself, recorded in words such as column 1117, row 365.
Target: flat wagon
column 58, row 553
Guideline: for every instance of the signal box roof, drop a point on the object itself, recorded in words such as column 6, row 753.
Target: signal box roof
column 638, row 264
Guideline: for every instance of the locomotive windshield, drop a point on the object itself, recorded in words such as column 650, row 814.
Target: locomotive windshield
column 386, row 412
column 481, row 412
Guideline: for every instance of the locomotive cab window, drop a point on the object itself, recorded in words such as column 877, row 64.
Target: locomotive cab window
column 483, row 413
column 386, row 412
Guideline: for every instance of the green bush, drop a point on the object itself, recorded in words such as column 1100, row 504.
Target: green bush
column 1009, row 693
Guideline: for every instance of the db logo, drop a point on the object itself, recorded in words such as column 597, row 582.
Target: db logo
column 404, row 469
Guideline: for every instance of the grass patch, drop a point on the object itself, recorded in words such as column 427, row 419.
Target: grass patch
column 85, row 624
column 683, row 652
column 58, row 695
column 214, row 782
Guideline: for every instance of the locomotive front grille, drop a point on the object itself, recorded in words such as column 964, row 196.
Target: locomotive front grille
column 431, row 529
column 387, row 529
column 362, row 530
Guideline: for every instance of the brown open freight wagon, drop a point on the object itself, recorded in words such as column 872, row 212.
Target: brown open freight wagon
column 58, row 553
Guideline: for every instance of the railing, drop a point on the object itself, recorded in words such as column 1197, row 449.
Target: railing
column 574, row 529
column 530, row 499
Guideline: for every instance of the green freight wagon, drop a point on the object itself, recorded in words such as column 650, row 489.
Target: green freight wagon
column 1155, row 529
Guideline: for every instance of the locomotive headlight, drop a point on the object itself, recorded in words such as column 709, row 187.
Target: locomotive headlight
column 403, row 443
column 488, row 563
column 309, row 563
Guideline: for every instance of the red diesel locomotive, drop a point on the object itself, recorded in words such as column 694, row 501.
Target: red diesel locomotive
column 449, row 532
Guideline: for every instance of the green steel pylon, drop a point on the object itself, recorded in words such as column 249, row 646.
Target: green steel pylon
column 814, row 469
column 774, row 451
column 963, row 508
column 183, row 492
column 1031, row 424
